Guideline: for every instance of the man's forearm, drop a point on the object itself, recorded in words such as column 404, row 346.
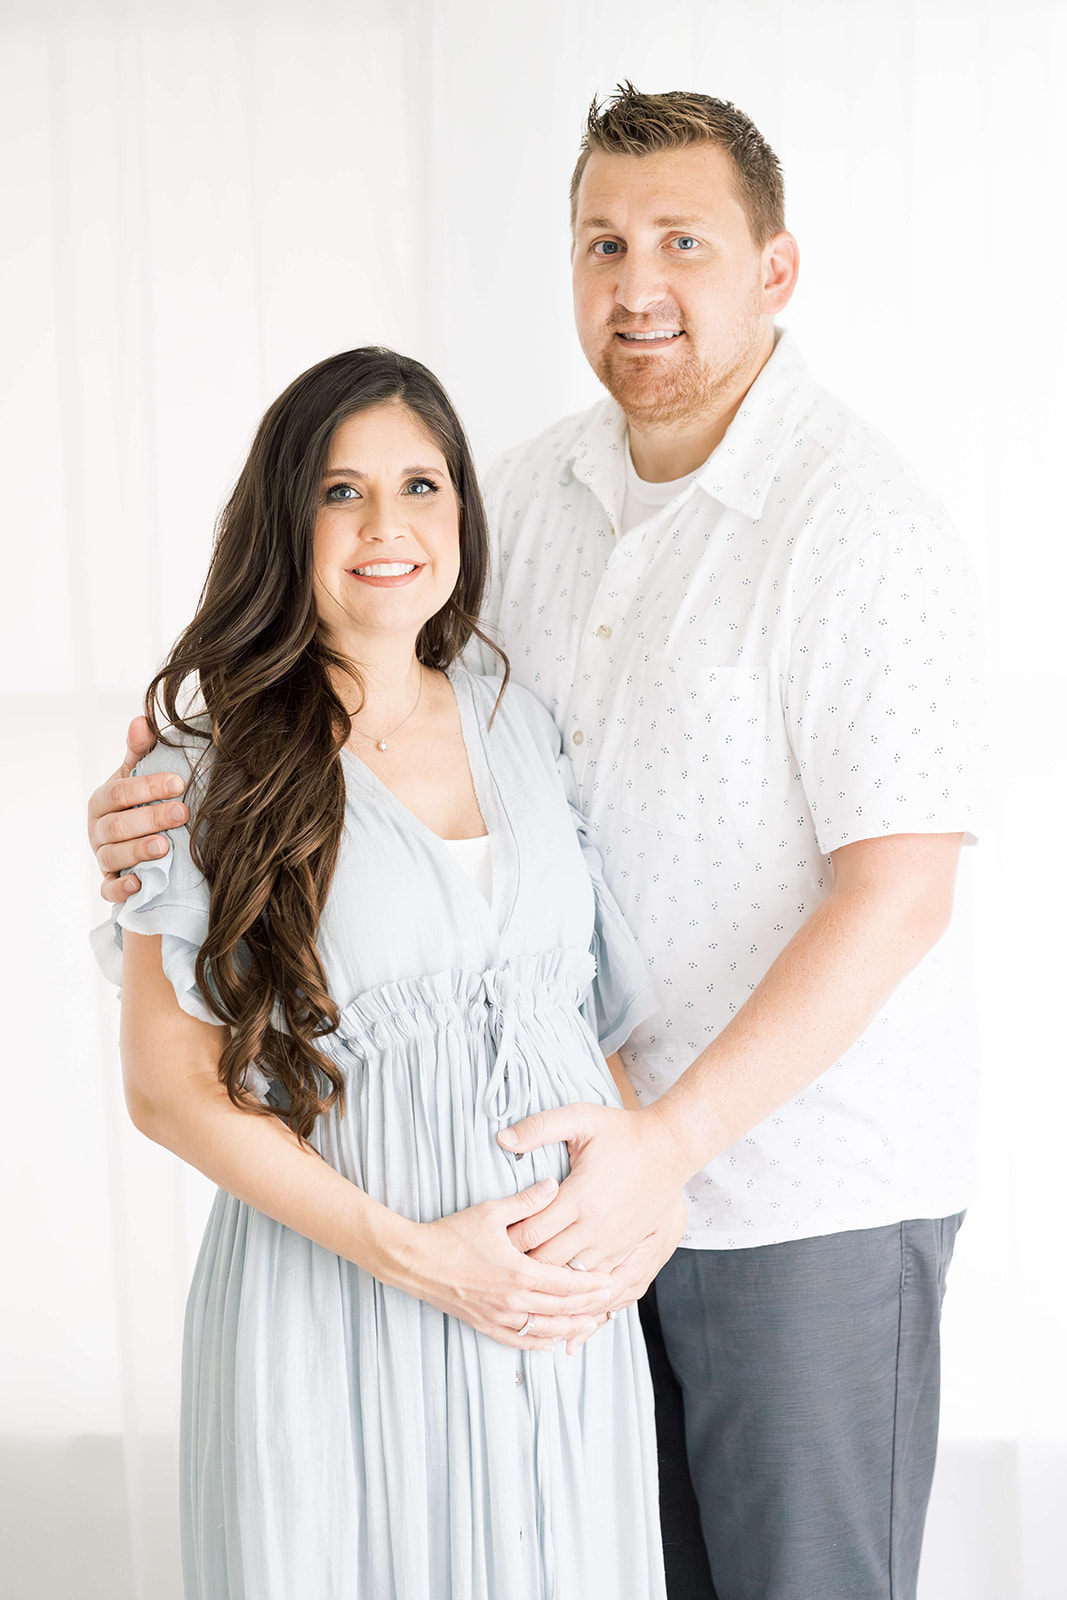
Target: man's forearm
column 824, row 989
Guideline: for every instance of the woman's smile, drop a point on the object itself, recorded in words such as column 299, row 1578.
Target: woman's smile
column 386, row 574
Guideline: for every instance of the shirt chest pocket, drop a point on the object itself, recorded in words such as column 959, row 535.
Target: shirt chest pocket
column 695, row 747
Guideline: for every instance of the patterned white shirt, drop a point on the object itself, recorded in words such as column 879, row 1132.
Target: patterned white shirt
column 782, row 660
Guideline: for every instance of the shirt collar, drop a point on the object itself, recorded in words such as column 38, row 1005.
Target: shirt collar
column 740, row 470
column 598, row 457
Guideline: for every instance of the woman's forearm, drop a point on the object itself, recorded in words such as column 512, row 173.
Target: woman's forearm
column 170, row 1072
column 259, row 1160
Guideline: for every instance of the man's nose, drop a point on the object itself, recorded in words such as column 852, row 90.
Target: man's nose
column 640, row 283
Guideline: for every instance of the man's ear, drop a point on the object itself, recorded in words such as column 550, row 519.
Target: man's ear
column 781, row 268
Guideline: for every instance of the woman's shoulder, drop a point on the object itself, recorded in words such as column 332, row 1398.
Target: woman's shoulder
column 518, row 708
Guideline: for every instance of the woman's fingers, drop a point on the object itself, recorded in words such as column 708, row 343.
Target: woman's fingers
column 543, row 1230
column 563, row 1248
column 545, row 1333
column 516, row 1207
column 583, row 1291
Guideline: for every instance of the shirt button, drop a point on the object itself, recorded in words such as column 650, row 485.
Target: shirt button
column 578, row 736
column 603, row 632
column 519, row 1380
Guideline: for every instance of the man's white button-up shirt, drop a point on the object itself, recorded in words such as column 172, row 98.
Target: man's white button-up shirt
column 782, row 660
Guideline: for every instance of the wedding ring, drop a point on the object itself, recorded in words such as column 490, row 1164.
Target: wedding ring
column 612, row 1315
column 576, row 1266
column 527, row 1325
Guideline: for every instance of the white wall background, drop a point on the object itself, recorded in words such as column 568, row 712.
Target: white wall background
column 198, row 199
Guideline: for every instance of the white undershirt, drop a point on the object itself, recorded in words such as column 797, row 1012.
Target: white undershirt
column 475, row 856
column 642, row 499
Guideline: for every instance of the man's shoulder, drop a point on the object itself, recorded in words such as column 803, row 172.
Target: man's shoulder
column 865, row 468
column 544, row 460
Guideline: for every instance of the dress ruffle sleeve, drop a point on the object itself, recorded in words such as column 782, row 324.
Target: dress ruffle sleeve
column 623, row 993
column 173, row 901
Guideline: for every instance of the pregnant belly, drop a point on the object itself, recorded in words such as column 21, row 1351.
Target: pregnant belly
column 436, row 1066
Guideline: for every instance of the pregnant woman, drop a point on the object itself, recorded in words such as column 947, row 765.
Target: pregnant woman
column 380, row 940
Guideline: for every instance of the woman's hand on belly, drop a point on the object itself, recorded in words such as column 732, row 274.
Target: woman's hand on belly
column 466, row 1265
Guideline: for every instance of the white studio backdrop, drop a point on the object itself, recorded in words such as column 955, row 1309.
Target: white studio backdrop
column 201, row 199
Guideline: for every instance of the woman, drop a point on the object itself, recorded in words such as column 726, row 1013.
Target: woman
column 368, row 953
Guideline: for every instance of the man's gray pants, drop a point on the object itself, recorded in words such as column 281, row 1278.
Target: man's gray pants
column 797, row 1392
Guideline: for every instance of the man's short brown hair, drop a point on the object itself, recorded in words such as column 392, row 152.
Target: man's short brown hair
column 635, row 124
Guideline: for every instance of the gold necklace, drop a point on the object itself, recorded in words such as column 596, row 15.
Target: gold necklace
column 381, row 743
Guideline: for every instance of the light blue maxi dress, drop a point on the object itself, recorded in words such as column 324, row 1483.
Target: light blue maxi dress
column 341, row 1439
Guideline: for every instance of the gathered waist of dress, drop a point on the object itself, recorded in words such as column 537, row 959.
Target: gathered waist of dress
column 408, row 1007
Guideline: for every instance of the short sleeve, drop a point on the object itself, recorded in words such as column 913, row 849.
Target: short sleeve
column 173, row 901
column 883, row 696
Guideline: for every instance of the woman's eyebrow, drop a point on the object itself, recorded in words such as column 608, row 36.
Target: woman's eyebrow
column 354, row 472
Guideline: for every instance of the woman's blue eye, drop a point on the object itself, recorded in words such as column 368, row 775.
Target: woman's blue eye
column 342, row 492
column 421, row 486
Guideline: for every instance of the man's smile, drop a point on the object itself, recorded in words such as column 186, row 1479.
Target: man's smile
column 650, row 335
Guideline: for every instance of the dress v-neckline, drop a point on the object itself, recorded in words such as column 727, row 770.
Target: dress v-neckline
column 497, row 822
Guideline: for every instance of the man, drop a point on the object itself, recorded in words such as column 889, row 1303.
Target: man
column 757, row 639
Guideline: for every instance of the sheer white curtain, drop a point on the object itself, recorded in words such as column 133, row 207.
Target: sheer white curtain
column 199, row 199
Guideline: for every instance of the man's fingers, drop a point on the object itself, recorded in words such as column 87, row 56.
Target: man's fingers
column 139, row 741
column 118, row 858
column 133, row 808
column 127, row 819
column 570, row 1293
column 582, row 1303
column 118, row 889
column 154, row 799
column 555, row 1126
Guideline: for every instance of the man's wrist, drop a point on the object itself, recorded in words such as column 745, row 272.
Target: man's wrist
column 681, row 1156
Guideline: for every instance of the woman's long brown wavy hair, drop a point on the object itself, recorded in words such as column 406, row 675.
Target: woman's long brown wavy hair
column 267, row 816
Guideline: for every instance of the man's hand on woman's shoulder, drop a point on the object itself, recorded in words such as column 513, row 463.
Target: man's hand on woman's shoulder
column 128, row 816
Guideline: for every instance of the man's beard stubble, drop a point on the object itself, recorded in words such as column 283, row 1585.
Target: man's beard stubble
column 657, row 393
column 654, row 392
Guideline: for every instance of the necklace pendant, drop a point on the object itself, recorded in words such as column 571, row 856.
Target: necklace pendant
column 382, row 745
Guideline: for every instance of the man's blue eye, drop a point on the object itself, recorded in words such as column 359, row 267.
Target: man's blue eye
column 608, row 247
column 686, row 243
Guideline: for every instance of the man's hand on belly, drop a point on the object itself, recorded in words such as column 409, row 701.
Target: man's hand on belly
column 621, row 1208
